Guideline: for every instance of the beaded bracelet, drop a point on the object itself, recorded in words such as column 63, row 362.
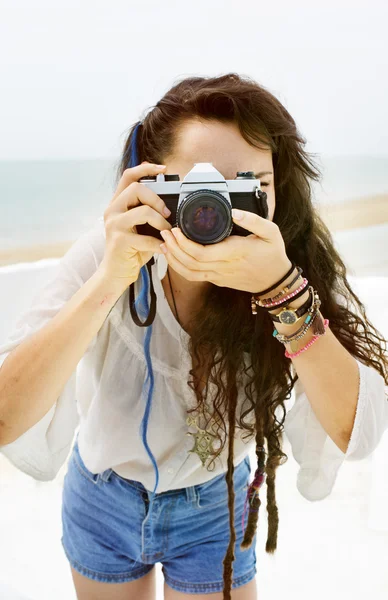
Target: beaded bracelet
column 289, row 296
column 307, row 321
column 317, row 331
column 309, row 344
column 283, row 302
column 283, row 291
column 313, row 319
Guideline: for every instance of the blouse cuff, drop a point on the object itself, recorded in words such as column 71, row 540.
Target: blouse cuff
column 314, row 450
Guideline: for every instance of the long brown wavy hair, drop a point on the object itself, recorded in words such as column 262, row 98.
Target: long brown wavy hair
column 228, row 334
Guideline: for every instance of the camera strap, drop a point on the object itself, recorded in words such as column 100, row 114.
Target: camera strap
column 132, row 308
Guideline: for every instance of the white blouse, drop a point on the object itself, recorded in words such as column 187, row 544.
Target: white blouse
column 104, row 397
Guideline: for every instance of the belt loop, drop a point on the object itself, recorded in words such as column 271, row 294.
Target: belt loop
column 191, row 494
column 105, row 475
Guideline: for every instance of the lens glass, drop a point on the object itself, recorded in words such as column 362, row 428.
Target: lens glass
column 205, row 218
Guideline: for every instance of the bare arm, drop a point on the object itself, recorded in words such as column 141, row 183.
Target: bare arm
column 34, row 374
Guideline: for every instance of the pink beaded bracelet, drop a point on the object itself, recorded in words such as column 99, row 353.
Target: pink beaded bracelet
column 310, row 343
column 302, row 286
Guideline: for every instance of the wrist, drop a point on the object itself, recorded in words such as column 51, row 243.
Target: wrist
column 298, row 344
column 112, row 286
column 289, row 329
column 279, row 273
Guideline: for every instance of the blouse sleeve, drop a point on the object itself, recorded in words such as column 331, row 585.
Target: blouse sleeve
column 42, row 449
column 314, row 450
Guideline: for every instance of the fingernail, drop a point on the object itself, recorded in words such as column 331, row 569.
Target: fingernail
column 160, row 166
column 163, row 248
column 163, row 234
column 166, row 211
column 237, row 214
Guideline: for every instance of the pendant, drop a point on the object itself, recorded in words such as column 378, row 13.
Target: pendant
column 203, row 440
column 203, row 445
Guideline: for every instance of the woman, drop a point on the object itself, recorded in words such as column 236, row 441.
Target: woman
column 168, row 412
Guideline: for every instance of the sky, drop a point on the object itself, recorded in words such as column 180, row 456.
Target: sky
column 75, row 75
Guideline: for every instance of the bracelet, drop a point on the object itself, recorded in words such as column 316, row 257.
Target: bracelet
column 311, row 314
column 309, row 344
column 285, row 339
column 283, row 301
column 312, row 317
column 302, row 286
column 278, row 283
column 293, row 341
column 284, row 290
column 281, row 298
column 290, row 316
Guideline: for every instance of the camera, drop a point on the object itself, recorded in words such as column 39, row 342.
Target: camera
column 201, row 205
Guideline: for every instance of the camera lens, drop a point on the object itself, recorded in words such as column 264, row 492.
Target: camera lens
column 205, row 217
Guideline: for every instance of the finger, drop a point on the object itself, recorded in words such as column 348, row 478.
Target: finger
column 224, row 251
column 134, row 174
column 263, row 228
column 138, row 216
column 144, row 243
column 137, row 194
column 189, row 274
column 120, row 224
column 188, row 261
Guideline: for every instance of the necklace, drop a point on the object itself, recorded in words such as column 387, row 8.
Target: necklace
column 203, row 439
column 173, row 297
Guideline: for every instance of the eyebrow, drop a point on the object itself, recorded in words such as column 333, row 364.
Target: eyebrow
column 258, row 175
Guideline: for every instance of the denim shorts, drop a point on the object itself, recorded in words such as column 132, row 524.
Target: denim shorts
column 113, row 533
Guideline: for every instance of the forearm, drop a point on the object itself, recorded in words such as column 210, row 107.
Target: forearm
column 34, row 374
column 329, row 375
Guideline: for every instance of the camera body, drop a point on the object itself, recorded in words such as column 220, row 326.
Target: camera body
column 201, row 205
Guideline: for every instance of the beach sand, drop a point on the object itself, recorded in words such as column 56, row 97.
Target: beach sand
column 33, row 253
column 352, row 214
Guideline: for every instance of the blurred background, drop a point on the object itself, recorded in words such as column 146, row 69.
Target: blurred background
column 74, row 76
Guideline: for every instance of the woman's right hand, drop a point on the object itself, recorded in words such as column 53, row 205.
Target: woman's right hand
column 132, row 204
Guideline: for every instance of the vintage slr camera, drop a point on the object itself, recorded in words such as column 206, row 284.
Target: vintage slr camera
column 201, row 205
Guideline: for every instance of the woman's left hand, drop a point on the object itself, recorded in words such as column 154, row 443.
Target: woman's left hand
column 252, row 263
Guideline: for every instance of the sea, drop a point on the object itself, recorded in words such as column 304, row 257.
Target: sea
column 49, row 201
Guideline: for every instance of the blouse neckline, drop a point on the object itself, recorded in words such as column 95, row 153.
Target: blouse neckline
column 159, row 270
